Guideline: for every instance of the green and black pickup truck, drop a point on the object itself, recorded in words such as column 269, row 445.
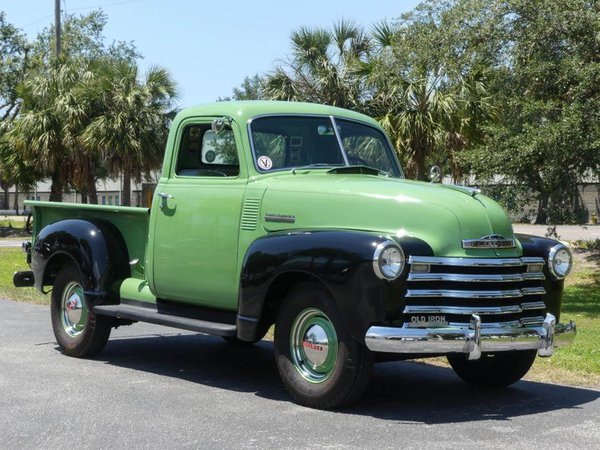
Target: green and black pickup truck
column 298, row 215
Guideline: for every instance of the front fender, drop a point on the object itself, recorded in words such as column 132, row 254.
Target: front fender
column 96, row 246
column 341, row 260
column 540, row 246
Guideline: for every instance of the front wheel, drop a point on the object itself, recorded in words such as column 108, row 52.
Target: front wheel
column 493, row 370
column 78, row 331
column 321, row 365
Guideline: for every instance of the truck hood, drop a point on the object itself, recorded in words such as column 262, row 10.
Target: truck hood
column 441, row 215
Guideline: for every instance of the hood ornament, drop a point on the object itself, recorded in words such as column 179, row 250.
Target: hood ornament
column 489, row 241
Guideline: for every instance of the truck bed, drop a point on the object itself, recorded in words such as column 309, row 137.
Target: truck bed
column 132, row 222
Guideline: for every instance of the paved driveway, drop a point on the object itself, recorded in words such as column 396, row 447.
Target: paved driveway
column 565, row 232
column 156, row 387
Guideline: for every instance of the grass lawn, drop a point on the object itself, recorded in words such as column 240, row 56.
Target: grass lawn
column 576, row 365
column 11, row 261
column 13, row 222
column 580, row 363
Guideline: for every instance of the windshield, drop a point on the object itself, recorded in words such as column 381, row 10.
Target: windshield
column 284, row 142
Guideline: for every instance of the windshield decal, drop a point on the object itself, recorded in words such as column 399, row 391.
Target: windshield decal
column 265, row 163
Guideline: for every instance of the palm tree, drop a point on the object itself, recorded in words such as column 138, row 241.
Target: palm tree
column 45, row 133
column 129, row 127
column 416, row 118
column 321, row 68
column 474, row 109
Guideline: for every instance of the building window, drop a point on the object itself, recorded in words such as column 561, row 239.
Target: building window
column 104, row 199
column 110, row 199
column 116, row 200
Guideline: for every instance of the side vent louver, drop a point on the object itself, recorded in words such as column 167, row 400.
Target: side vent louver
column 250, row 214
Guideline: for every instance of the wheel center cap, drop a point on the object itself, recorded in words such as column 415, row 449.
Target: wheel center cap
column 316, row 345
column 74, row 307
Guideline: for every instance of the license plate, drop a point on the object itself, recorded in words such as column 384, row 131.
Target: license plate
column 427, row 321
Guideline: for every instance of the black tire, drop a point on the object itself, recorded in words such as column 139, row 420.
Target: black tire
column 344, row 373
column 78, row 331
column 234, row 340
column 493, row 370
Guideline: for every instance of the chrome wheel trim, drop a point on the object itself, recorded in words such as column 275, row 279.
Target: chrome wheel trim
column 313, row 345
column 73, row 310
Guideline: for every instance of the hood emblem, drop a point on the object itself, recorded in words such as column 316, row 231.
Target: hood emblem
column 281, row 218
column 490, row 241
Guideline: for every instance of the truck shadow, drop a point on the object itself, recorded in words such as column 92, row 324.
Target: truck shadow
column 406, row 392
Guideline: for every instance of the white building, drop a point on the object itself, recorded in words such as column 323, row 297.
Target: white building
column 110, row 192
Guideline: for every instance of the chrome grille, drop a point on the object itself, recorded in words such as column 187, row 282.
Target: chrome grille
column 497, row 289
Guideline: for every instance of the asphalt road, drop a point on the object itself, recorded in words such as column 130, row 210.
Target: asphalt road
column 156, row 387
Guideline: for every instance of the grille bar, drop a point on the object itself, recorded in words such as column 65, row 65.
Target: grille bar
column 480, row 310
column 474, row 262
column 450, row 293
column 468, row 278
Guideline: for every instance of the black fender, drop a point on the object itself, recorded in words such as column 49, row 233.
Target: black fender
column 540, row 246
column 341, row 260
column 95, row 246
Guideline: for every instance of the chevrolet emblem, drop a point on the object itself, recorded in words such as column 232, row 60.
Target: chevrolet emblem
column 490, row 241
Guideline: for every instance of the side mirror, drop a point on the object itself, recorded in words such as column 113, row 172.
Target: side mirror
column 218, row 125
column 435, row 174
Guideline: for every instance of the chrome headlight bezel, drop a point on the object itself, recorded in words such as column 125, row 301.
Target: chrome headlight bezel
column 554, row 252
column 379, row 263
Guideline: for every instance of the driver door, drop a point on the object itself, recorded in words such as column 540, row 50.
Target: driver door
column 197, row 227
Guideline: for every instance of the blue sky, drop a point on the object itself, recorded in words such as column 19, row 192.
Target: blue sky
column 209, row 46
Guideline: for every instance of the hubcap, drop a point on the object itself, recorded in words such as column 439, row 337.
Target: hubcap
column 313, row 345
column 74, row 311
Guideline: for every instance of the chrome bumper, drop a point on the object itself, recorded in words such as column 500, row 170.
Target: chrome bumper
column 473, row 339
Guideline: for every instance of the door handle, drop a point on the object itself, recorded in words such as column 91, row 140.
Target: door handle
column 164, row 197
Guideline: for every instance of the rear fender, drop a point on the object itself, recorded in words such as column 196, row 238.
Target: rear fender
column 95, row 246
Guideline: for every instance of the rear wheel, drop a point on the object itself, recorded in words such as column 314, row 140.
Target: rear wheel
column 493, row 369
column 321, row 365
column 78, row 331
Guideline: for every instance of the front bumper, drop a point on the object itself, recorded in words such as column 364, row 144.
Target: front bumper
column 473, row 339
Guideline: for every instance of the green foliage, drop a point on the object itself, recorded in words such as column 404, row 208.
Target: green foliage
column 87, row 113
column 546, row 88
column 501, row 88
column 130, row 120
column 14, row 59
column 82, row 37
column 13, row 63
column 322, row 67
column 252, row 88
column 592, row 245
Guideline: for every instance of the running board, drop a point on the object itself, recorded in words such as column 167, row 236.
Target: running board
column 150, row 315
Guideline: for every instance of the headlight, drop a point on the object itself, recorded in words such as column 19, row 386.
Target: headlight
column 388, row 260
column 560, row 261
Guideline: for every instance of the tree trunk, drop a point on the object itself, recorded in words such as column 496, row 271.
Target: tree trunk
column 91, row 184
column 542, row 212
column 56, row 188
column 5, row 202
column 126, row 188
column 420, row 165
column 17, row 199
